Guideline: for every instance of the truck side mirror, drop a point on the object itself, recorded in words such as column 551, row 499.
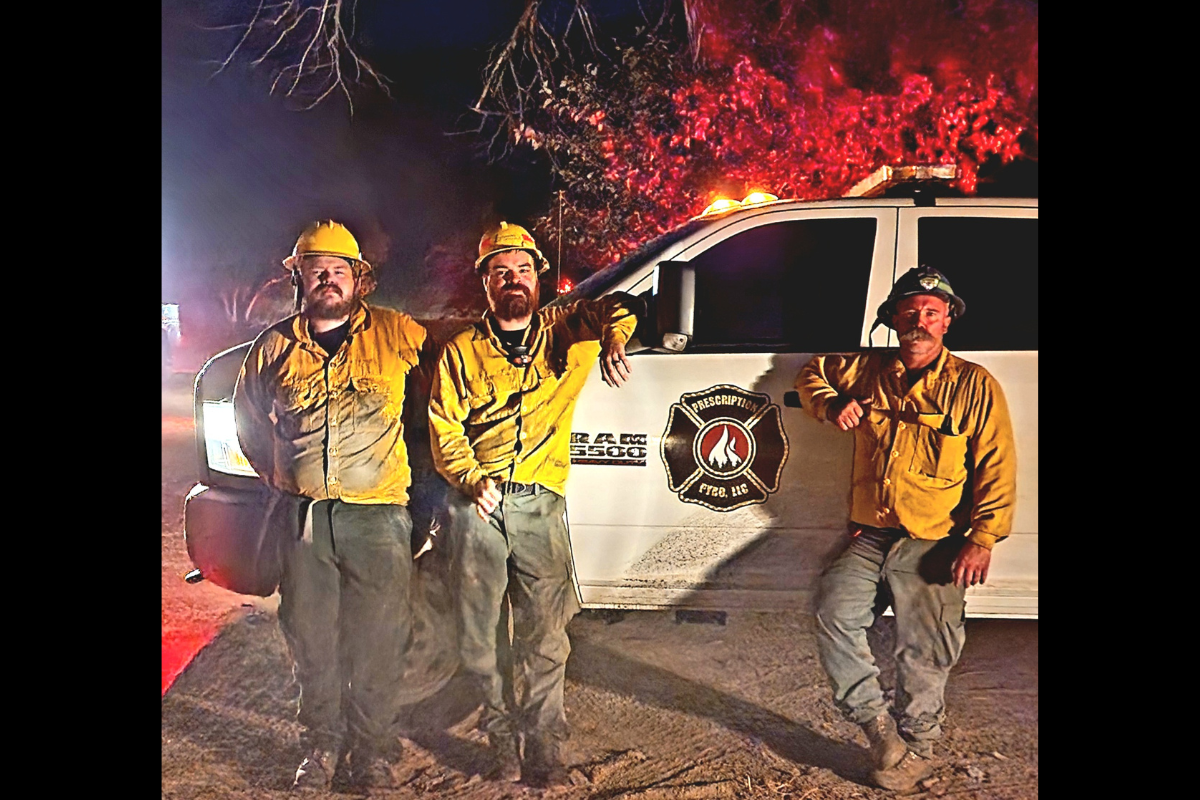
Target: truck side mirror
column 674, row 306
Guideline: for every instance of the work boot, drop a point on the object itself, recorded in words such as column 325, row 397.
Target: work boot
column 887, row 748
column 543, row 764
column 506, row 758
column 904, row 775
column 316, row 770
column 370, row 771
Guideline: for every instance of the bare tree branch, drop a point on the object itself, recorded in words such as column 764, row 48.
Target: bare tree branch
column 523, row 74
column 693, row 12
column 242, row 40
column 311, row 44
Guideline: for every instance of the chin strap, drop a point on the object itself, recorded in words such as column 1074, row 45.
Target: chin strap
column 878, row 322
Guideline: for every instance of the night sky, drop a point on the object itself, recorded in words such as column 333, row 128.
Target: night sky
column 243, row 172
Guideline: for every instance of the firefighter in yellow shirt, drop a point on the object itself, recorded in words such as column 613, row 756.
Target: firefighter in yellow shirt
column 320, row 408
column 933, row 489
column 500, row 424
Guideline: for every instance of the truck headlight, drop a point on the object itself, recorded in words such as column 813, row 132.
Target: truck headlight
column 221, row 442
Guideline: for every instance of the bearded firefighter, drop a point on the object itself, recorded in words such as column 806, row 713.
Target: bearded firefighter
column 320, row 405
column 500, row 412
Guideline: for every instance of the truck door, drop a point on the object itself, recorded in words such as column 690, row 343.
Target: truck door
column 989, row 253
column 694, row 485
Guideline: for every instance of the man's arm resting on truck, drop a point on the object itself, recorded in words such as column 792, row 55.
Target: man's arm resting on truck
column 824, row 386
column 609, row 320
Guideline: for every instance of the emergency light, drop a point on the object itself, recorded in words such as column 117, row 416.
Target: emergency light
column 724, row 203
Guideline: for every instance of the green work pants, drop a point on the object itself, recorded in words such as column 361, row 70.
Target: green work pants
column 882, row 567
column 519, row 558
column 344, row 611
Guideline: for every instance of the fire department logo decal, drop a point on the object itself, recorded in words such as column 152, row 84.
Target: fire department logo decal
column 724, row 448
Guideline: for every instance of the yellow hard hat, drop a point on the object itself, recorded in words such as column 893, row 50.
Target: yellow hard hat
column 509, row 237
column 327, row 238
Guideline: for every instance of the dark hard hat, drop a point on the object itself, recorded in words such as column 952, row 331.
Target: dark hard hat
column 920, row 280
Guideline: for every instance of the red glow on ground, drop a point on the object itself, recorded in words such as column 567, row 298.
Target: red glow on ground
column 180, row 646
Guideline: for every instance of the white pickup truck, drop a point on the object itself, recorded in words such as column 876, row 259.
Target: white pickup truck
column 701, row 484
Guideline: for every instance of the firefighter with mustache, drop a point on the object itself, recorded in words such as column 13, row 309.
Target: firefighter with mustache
column 501, row 404
column 320, row 405
column 933, row 489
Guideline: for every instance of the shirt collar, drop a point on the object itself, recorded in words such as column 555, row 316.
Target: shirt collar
column 490, row 326
column 942, row 366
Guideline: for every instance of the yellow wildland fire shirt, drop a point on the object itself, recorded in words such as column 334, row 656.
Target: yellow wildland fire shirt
column 935, row 460
column 333, row 427
column 481, row 405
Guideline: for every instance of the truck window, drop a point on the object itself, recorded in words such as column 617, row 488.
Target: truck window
column 798, row 285
column 992, row 263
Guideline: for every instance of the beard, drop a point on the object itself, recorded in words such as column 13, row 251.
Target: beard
column 514, row 302
column 320, row 304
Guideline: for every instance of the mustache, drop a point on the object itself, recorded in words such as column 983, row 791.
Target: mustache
column 324, row 286
column 915, row 335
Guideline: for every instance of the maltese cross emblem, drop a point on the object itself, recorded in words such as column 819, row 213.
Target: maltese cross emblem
column 724, row 448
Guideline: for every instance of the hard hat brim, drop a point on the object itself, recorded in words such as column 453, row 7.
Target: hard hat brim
column 291, row 261
column 538, row 258
column 888, row 308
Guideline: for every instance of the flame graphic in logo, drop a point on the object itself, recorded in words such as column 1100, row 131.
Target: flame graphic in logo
column 723, row 454
column 724, row 447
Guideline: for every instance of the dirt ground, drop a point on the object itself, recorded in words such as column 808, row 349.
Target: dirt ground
column 658, row 708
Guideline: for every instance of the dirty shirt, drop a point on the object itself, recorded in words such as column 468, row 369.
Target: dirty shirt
column 331, row 426
column 490, row 418
column 935, row 459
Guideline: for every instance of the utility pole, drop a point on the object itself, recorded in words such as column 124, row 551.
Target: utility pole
column 558, row 261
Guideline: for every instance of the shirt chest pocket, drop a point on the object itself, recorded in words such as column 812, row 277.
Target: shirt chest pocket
column 376, row 402
column 939, row 455
column 497, row 396
column 296, row 395
column 875, row 431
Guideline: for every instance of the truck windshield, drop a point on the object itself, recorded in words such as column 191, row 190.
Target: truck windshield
column 598, row 283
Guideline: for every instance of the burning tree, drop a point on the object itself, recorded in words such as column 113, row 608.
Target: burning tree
column 643, row 126
column 726, row 97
